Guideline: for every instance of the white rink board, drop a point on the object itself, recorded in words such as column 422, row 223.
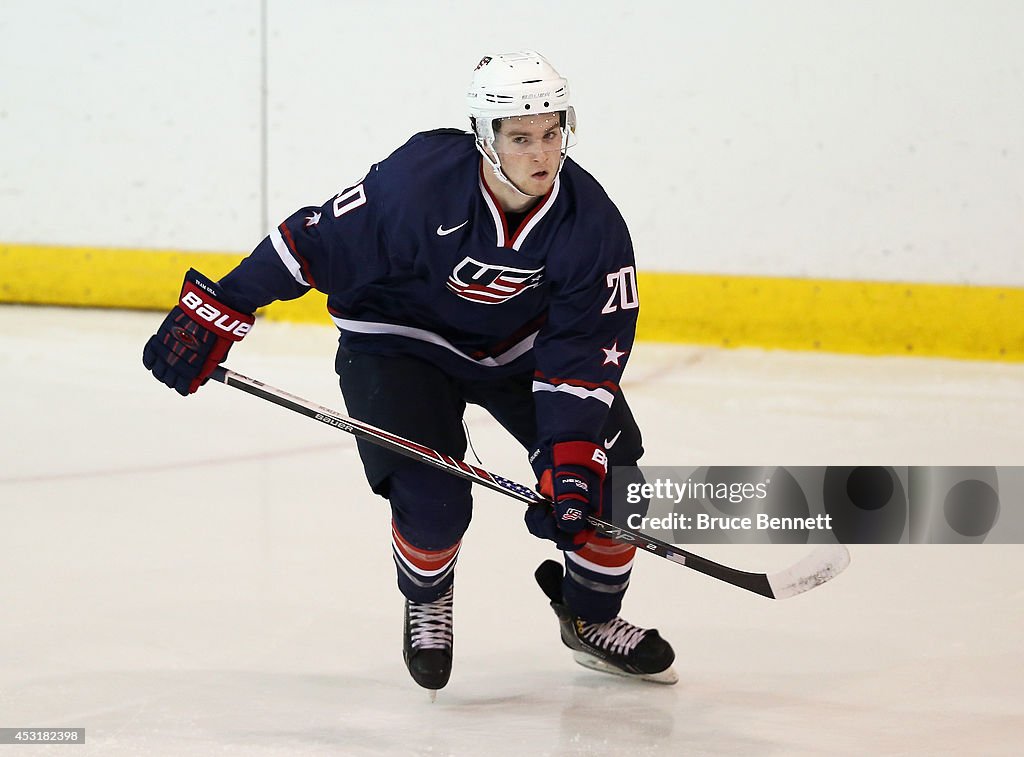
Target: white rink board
column 848, row 139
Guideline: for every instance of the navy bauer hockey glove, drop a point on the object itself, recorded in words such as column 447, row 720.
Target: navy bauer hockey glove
column 574, row 483
column 195, row 336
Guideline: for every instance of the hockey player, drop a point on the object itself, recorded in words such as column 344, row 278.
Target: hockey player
column 483, row 267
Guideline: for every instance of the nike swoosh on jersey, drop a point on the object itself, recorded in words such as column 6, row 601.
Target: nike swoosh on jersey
column 609, row 442
column 443, row 232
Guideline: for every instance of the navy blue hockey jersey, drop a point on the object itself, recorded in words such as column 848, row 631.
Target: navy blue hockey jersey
column 418, row 259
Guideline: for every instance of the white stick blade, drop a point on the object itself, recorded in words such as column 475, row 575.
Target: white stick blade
column 821, row 565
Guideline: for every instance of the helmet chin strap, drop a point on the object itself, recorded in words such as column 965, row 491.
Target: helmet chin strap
column 491, row 158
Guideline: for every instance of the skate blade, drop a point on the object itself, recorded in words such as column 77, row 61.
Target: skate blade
column 667, row 676
column 433, row 695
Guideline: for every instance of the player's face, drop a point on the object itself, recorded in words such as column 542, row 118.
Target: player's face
column 530, row 148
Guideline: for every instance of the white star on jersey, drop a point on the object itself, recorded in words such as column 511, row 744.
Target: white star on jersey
column 314, row 219
column 612, row 355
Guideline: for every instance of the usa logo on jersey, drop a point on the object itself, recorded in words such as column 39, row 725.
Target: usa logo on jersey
column 491, row 284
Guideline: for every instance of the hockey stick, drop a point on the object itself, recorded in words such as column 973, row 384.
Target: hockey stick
column 821, row 565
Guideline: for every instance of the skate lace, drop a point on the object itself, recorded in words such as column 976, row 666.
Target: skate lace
column 430, row 624
column 616, row 635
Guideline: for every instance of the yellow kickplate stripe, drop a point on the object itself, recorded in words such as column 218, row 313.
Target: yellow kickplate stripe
column 114, row 278
column 860, row 317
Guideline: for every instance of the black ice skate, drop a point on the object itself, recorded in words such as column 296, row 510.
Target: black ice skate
column 428, row 641
column 616, row 647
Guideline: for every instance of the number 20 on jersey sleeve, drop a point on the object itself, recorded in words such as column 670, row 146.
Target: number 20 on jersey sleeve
column 624, row 295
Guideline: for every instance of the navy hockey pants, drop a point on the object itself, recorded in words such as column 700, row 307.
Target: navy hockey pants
column 431, row 509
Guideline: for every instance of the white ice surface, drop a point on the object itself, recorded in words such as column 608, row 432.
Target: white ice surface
column 211, row 575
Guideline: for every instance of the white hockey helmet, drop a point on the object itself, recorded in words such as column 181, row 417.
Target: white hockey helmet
column 515, row 84
column 520, row 84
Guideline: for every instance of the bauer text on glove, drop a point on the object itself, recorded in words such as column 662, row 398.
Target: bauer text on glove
column 195, row 336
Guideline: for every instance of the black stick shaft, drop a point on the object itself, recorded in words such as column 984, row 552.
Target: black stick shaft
column 759, row 583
